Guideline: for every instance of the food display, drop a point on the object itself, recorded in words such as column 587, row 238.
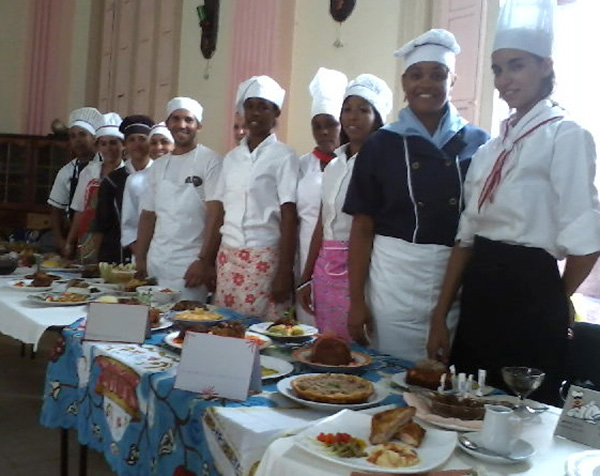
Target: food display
column 343, row 445
column 187, row 305
column 333, row 388
column 116, row 273
column 42, row 276
column 427, row 374
column 67, row 298
column 331, row 350
column 199, row 315
column 118, row 300
column 267, row 372
column 453, row 406
column 394, row 455
column 385, row 425
column 154, row 316
column 30, row 284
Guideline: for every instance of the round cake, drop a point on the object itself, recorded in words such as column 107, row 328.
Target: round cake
column 452, row 406
column 329, row 350
column 333, row 388
column 427, row 374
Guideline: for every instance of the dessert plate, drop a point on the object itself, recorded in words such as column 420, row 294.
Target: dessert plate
column 359, row 362
column 263, row 328
column 279, row 366
column 436, row 448
column 585, row 463
column 285, row 388
column 521, row 451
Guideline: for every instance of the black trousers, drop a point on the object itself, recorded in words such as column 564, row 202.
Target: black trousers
column 514, row 312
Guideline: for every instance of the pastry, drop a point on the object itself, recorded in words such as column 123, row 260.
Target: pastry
column 333, row 388
column 426, row 373
column 394, row 455
column 451, row 406
column 329, row 350
column 384, row 425
column 412, row 434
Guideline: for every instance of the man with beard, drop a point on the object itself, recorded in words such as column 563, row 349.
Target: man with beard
column 171, row 245
column 83, row 123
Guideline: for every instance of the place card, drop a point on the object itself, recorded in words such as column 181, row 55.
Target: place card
column 580, row 417
column 114, row 322
column 217, row 366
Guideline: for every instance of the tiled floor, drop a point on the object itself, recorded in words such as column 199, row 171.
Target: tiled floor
column 26, row 447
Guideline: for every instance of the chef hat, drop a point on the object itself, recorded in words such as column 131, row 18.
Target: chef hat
column 188, row 104
column 327, row 91
column 88, row 118
column 262, row 87
column 434, row 45
column 373, row 90
column 526, row 25
column 136, row 124
column 161, row 129
column 110, row 126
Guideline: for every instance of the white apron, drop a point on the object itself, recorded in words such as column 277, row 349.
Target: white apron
column 404, row 283
column 180, row 215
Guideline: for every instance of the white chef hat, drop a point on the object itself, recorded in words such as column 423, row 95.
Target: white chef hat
column 110, row 126
column 88, row 118
column 434, row 45
column 374, row 90
column 262, row 87
column 327, row 91
column 188, row 104
column 161, row 128
column 526, row 25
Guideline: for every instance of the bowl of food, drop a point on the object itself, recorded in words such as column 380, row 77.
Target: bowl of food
column 8, row 264
column 116, row 273
column 159, row 294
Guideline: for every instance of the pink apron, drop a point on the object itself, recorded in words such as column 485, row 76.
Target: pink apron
column 331, row 289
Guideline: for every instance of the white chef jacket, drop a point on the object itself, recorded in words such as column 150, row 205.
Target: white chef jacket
column 546, row 198
column 178, row 168
column 135, row 186
column 252, row 188
column 309, row 202
column 59, row 195
column 91, row 172
column 336, row 177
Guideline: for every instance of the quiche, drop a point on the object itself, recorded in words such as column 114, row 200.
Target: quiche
column 333, row 388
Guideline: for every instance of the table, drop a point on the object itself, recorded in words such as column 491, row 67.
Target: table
column 27, row 321
column 121, row 400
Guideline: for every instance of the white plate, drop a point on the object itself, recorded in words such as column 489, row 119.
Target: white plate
column 400, row 380
column 282, row 367
column 41, row 299
column 522, row 451
column 585, row 463
column 285, row 388
column 170, row 340
column 359, row 362
column 436, row 448
column 262, row 328
column 265, row 341
column 423, row 413
column 27, row 287
column 162, row 324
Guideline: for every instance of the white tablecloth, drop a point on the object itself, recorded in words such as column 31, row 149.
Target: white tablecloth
column 27, row 321
column 283, row 457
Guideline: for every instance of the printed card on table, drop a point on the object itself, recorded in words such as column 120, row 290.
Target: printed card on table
column 580, row 418
column 219, row 366
column 113, row 322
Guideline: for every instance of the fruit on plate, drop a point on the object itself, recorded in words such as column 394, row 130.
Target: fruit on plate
column 331, row 350
column 333, row 388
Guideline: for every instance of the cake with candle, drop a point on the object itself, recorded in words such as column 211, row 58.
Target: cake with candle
column 427, row 374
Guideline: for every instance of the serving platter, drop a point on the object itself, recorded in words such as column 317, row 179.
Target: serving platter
column 285, row 388
column 41, row 299
column 263, row 328
column 172, row 340
column 436, row 447
column 25, row 285
column 280, row 366
column 359, row 362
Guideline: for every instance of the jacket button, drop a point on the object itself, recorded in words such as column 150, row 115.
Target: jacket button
column 452, row 201
column 447, row 163
column 415, row 165
column 421, row 204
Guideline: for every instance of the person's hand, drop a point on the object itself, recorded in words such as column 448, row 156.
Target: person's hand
column 571, row 322
column 304, row 297
column 68, row 250
column 141, row 271
column 360, row 323
column 281, row 287
column 199, row 273
column 438, row 342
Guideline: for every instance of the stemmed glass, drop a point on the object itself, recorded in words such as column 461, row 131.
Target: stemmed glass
column 522, row 381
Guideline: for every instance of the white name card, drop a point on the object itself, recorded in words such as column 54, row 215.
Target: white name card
column 113, row 322
column 217, row 366
column 580, row 418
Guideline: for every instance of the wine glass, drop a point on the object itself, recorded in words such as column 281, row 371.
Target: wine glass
column 522, row 381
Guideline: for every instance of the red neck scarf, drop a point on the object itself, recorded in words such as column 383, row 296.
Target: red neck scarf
column 495, row 177
column 323, row 156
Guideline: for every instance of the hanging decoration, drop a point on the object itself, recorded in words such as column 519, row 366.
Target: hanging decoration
column 340, row 10
column 208, row 17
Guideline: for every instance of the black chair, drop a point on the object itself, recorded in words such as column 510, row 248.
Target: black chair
column 583, row 357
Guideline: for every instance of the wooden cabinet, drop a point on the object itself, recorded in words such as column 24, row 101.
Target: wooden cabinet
column 28, row 166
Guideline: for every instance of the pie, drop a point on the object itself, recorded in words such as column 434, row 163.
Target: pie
column 384, row 425
column 333, row 388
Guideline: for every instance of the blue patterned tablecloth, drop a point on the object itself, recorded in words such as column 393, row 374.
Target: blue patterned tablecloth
column 121, row 400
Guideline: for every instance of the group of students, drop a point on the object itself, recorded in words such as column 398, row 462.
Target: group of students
column 421, row 238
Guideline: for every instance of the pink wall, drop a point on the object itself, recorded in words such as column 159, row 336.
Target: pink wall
column 47, row 72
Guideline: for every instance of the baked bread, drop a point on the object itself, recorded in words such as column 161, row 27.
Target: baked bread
column 333, row 388
column 331, row 350
column 412, row 434
column 384, row 425
column 426, row 373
